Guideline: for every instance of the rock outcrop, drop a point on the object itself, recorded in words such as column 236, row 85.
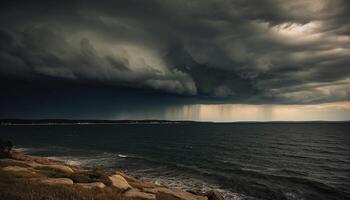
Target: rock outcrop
column 135, row 194
column 33, row 170
column 16, row 169
column 57, row 181
column 92, row 185
column 61, row 168
column 119, row 182
column 168, row 194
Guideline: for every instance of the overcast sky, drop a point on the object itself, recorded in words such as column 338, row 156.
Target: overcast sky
column 110, row 59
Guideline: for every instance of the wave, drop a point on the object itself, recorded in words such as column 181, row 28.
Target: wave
column 67, row 160
column 22, row 149
column 251, row 182
column 244, row 181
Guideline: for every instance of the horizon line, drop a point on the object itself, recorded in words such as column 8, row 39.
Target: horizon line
column 110, row 121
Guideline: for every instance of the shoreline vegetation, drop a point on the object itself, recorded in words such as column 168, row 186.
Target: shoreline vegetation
column 27, row 177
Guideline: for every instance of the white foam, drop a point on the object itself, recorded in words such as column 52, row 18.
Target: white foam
column 67, row 160
column 22, row 149
column 184, row 183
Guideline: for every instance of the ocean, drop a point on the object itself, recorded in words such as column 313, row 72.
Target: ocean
column 242, row 160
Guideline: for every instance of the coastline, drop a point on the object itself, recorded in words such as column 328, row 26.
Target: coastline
column 37, row 177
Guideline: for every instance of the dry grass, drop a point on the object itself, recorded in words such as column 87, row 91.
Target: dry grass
column 14, row 187
column 9, row 175
column 23, row 185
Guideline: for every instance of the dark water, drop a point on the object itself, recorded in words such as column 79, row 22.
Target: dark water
column 244, row 161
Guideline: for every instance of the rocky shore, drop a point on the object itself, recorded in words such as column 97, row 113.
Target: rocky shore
column 26, row 177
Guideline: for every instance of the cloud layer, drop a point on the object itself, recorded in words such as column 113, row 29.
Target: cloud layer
column 272, row 51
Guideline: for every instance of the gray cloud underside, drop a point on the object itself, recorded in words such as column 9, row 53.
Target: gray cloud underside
column 273, row 51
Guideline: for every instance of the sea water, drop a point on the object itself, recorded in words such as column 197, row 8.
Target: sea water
column 242, row 160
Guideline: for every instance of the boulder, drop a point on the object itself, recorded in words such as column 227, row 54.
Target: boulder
column 92, row 185
column 119, row 182
column 151, row 190
column 16, row 169
column 214, row 195
column 33, row 164
column 57, row 181
column 20, row 162
column 136, row 183
column 61, row 168
column 134, row 194
column 167, row 194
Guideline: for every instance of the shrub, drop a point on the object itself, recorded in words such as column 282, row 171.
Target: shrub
column 5, row 148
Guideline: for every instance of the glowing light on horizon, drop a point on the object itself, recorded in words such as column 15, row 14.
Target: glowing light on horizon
column 243, row 112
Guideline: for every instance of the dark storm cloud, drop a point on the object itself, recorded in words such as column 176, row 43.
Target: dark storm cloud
column 273, row 51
